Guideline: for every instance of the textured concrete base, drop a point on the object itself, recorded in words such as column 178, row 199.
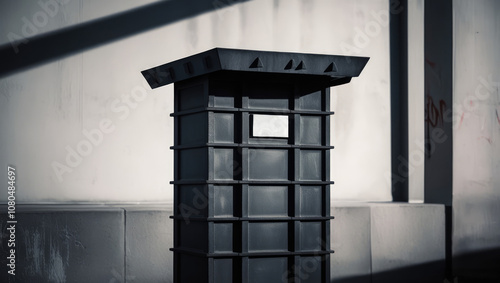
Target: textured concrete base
column 149, row 235
column 373, row 242
column 65, row 244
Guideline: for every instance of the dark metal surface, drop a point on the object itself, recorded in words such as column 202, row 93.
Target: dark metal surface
column 337, row 68
column 250, row 208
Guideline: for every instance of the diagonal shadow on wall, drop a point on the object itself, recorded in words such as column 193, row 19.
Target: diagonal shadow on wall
column 54, row 45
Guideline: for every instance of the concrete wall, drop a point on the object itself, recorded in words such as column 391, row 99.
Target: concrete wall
column 84, row 243
column 64, row 244
column 463, row 102
column 85, row 127
column 476, row 139
column 60, row 243
column 388, row 242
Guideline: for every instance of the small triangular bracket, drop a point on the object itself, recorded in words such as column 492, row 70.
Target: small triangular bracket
column 301, row 66
column 331, row 68
column 256, row 63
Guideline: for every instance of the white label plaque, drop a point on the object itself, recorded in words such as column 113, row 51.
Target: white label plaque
column 270, row 126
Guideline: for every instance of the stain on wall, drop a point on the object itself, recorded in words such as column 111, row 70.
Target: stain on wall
column 66, row 244
column 476, row 159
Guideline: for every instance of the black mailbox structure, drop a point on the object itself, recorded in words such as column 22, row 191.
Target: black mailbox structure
column 252, row 182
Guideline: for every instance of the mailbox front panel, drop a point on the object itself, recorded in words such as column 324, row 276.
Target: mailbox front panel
column 251, row 181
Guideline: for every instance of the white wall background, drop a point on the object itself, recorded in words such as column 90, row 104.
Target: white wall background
column 416, row 105
column 476, row 138
column 43, row 110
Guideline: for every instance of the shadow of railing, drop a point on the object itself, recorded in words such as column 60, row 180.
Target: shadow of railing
column 475, row 267
column 428, row 272
column 63, row 42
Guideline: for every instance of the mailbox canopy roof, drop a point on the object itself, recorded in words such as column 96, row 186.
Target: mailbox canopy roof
column 339, row 69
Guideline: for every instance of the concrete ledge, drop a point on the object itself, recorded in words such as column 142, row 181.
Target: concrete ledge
column 388, row 242
column 350, row 239
column 373, row 242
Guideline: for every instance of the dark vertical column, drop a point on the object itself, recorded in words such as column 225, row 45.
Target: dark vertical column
column 399, row 99
column 313, row 193
column 325, row 129
column 438, row 110
column 294, row 203
column 191, row 190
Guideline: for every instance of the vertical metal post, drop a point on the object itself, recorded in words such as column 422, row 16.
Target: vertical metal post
column 399, row 100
